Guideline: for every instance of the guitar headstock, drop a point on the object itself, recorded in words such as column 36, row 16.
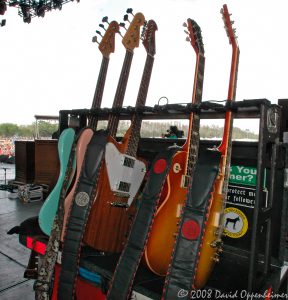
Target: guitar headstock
column 132, row 36
column 231, row 32
column 107, row 44
column 194, row 36
column 149, row 37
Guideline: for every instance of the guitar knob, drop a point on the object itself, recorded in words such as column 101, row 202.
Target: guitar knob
column 217, row 232
column 220, row 250
column 216, row 243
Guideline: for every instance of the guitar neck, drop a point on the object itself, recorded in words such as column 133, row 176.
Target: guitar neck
column 135, row 127
column 98, row 95
column 227, row 134
column 113, row 119
column 192, row 143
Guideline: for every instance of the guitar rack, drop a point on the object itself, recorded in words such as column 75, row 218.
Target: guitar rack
column 209, row 109
column 255, row 262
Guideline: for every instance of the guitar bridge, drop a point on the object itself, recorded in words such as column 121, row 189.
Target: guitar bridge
column 121, row 195
column 119, row 204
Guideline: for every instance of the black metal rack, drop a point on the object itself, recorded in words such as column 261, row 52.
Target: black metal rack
column 209, row 109
column 264, row 259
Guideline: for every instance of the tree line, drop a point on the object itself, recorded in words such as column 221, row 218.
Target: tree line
column 9, row 130
column 148, row 129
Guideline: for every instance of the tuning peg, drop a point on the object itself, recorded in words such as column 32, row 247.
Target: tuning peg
column 186, row 31
column 102, row 26
column 187, row 39
column 94, row 39
column 123, row 26
column 130, row 11
column 144, row 28
column 98, row 32
column 126, row 18
column 185, row 24
column 105, row 20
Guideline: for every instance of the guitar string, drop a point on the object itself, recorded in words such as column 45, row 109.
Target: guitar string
column 194, row 138
column 136, row 121
column 113, row 118
column 93, row 120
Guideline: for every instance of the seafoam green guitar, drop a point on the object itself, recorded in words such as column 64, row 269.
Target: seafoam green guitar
column 49, row 208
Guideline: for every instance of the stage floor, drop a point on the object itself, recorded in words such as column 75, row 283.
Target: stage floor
column 13, row 256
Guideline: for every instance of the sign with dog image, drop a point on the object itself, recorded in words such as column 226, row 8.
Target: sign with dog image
column 235, row 222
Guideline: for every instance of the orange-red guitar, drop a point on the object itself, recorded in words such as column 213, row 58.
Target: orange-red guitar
column 162, row 236
column 211, row 243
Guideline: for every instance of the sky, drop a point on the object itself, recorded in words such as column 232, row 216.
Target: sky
column 52, row 64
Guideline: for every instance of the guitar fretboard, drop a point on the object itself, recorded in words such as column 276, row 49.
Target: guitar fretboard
column 93, row 120
column 136, row 121
column 194, row 125
column 113, row 119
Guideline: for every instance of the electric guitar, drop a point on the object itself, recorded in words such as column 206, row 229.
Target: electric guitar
column 211, row 242
column 161, row 240
column 49, row 208
column 47, row 214
column 121, row 175
column 106, row 47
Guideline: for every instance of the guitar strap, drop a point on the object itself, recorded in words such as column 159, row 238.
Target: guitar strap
column 179, row 279
column 46, row 271
column 82, row 202
column 129, row 260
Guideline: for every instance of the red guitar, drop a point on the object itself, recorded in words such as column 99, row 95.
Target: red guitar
column 211, row 242
column 162, row 236
column 106, row 47
column 122, row 174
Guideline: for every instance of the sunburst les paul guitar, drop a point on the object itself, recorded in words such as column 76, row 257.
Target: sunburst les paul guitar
column 162, row 236
column 211, row 243
column 106, row 47
column 121, row 174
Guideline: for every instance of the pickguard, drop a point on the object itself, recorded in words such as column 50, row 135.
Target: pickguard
column 125, row 173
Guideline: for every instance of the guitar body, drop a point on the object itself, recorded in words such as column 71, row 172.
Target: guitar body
column 108, row 225
column 211, row 238
column 81, row 147
column 161, row 240
column 211, row 247
column 50, row 206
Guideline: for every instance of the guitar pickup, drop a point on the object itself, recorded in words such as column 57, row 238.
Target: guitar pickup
column 124, row 186
column 128, row 162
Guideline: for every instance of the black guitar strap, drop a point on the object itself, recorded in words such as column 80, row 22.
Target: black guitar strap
column 82, row 202
column 129, row 260
column 179, row 278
